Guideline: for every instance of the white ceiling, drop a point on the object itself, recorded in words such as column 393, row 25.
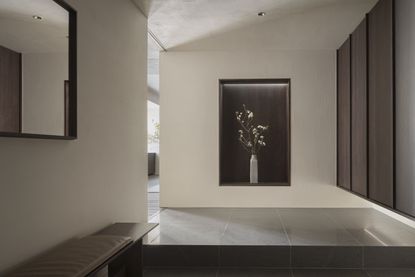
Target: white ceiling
column 21, row 33
column 176, row 22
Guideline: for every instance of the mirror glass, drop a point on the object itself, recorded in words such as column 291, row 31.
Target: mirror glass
column 34, row 63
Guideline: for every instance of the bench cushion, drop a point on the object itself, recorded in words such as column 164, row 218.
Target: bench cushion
column 75, row 258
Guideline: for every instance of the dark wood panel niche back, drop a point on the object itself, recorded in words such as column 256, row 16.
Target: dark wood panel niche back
column 269, row 100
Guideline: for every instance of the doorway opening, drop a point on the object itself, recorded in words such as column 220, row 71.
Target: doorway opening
column 153, row 127
column 153, row 146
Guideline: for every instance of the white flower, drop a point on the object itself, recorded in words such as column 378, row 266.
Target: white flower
column 250, row 115
column 261, row 137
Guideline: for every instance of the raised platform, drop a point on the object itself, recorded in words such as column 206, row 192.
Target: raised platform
column 279, row 238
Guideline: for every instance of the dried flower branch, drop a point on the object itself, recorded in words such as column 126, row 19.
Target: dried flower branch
column 251, row 137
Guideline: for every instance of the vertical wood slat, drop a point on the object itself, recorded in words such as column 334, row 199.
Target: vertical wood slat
column 405, row 103
column 10, row 90
column 359, row 109
column 343, row 115
column 381, row 104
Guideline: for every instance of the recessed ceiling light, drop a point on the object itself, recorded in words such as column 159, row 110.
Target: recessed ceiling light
column 37, row 17
column 261, row 14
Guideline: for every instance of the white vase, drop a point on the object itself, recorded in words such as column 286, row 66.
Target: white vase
column 253, row 170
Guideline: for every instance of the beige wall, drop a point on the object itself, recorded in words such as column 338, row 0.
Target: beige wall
column 53, row 190
column 189, row 150
column 43, row 106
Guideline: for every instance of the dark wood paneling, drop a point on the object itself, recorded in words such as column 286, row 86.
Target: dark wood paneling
column 66, row 107
column 405, row 104
column 269, row 100
column 10, row 90
column 381, row 104
column 343, row 115
column 359, row 109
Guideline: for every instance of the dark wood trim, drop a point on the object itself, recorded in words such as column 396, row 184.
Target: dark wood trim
column 21, row 95
column 73, row 80
column 35, row 136
column 394, row 102
column 221, row 82
column 367, row 106
column 351, row 111
column 66, row 105
column 337, row 118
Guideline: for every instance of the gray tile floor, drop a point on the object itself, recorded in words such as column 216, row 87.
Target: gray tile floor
column 276, row 273
column 285, row 226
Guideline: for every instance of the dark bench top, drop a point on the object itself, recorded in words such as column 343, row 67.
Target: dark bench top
column 135, row 231
column 85, row 256
column 75, row 258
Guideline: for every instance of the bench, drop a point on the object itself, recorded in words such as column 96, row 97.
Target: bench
column 113, row 251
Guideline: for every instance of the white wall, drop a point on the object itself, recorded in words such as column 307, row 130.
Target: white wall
column 189, row 146
column 43, row 105
column 53, row 190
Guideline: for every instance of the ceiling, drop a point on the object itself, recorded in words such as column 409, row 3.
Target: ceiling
column 21, row 33
column 176, row 22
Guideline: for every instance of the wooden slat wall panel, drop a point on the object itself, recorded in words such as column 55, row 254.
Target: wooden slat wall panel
column 359, row 110
column 381, row 104
column 405, row 106
column 10, row 72
column 343, row 115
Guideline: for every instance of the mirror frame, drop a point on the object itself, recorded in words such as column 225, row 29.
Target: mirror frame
column 72, row 61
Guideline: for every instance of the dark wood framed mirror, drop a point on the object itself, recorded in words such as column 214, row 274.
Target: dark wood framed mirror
column 38, row 69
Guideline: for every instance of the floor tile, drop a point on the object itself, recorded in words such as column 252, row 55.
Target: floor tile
column 254, row 256
column 185, row 272
column 314, row 227
column 254, row 227
column 190, row 226
column 329, row 273
column 389, row 257
column 258, row 216
column 186, row 234
column 391, row 273
column 245, row 234
column 372, row 228
column 254, row 273
column 180, row 256
column 327, row 256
